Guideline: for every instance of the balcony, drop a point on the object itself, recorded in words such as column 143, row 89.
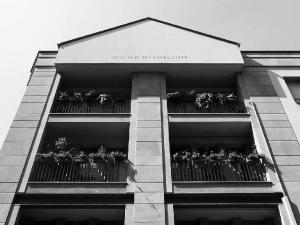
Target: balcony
column 225, row 171
column 91, row 101
column 197, row 101
column 79, row 172
column 218, row 163
column 81, row 157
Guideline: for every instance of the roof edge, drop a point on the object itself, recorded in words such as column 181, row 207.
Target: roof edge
column 145, row 19
column 270, row 51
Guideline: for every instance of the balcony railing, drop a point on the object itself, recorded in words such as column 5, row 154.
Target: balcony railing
column 225, row 171
column 92, row 107
column 197, row 101
column 78, row 100
column 190, row 107
column 79, row 172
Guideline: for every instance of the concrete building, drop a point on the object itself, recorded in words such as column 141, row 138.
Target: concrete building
column 153, row 123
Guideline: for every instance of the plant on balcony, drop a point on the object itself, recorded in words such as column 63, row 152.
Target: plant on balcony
column 61, row 144
column 76, row 97
column 90, row 96
column 203, row 100
column 216, row 154
column 117, row 156
column 182, row 157
column 45, row 157
column 63, row 96
column 236, row 156
column 63, row 157
column 177, row 96
column 65, row 152
column 99, row 156
column 105, row 98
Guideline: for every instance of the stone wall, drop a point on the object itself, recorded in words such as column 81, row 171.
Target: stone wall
column 19, row 140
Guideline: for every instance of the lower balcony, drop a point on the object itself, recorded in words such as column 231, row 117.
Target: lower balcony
column 225, row 171
column 81, row 157
column 79, row 172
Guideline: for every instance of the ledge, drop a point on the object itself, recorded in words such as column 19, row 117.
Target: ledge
column 89, row 117
column 222, row 187
column 112, row 199
column 188, row 199
column 209, row 117
column 76, row 187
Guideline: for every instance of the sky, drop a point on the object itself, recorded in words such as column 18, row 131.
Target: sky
column 27, row 26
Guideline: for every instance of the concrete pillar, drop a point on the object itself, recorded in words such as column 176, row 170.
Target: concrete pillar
column 149, row 204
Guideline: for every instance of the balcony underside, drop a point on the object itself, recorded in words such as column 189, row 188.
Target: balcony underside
column 89, row 118
column 209, row 117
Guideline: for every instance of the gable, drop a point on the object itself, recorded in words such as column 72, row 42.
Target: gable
column 149, row 41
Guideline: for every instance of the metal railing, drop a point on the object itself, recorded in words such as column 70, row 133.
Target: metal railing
column 190, row 107
column 225, row 171
column 92, row 107
column 79, row 172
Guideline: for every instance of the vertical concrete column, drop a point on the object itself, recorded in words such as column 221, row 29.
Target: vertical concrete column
column 22, row 135
column 149, row 204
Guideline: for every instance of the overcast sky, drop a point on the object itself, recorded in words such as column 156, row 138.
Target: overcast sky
column 27, row 26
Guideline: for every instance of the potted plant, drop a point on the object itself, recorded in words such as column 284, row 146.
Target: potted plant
column 204, row 100
column 63, row 96
column 62, row 144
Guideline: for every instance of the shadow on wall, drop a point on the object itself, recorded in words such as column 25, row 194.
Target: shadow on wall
column 296, row 211
column 260, row 85
column 131, row 171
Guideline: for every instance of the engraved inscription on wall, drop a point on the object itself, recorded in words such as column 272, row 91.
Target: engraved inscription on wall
column 150, row 57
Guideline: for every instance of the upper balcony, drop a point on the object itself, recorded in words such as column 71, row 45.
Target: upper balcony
column 92, row 101
column 204, row 101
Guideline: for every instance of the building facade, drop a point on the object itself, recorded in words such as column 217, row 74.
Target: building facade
column 153, row 123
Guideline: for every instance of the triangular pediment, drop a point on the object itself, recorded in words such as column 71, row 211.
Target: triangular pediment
column 149, row 41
